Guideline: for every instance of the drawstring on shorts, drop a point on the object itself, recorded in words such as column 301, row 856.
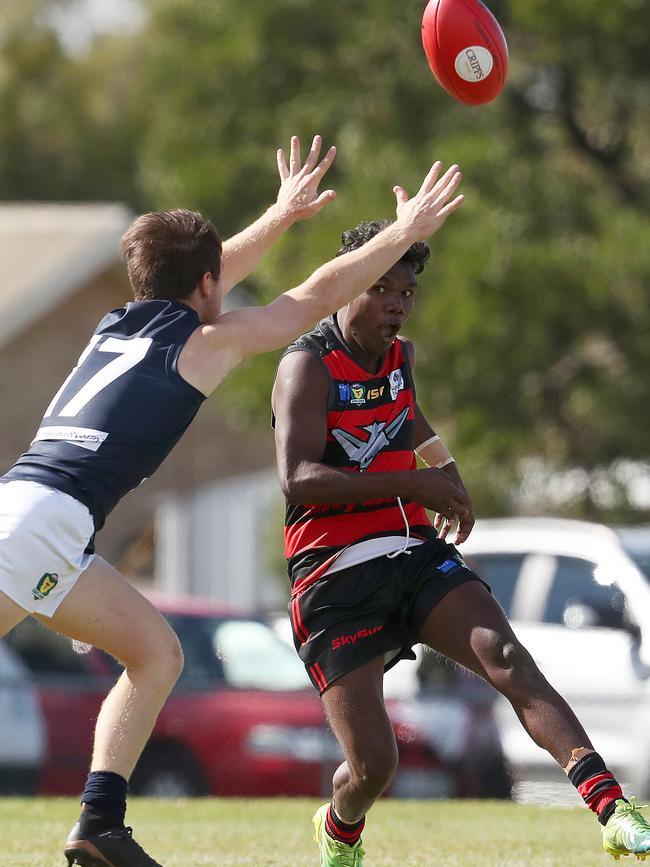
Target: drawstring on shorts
column 405, row 547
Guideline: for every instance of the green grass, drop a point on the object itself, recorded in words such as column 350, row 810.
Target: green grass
column 266, row 833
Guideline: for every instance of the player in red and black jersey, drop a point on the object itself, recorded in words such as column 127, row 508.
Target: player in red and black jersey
column 371, row 577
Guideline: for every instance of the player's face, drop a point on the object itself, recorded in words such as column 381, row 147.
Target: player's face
column 374, row 319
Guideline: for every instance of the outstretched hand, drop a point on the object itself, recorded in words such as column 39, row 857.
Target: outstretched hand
column 298, row 197
column 428, row 209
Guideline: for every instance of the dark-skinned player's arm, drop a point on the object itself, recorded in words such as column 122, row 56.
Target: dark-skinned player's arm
column 298, row 199
column 300, row 408
column 432, row 451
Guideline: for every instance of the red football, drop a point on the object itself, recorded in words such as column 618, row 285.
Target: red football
column 466, row 49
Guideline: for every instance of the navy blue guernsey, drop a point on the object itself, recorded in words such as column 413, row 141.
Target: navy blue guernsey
column 121, row 410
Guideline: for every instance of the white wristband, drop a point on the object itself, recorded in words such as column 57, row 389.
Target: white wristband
column 434, row 453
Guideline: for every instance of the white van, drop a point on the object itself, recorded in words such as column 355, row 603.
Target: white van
column 578, row 597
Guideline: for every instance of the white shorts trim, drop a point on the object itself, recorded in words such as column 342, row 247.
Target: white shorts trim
column 369, row 549
column 43, row 537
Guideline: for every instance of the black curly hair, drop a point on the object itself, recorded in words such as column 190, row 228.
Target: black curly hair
column 416, row 256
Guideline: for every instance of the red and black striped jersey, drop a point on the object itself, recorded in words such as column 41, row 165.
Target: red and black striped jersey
column 369, row 429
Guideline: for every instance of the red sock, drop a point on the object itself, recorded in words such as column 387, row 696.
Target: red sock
column 598, row 786
column 341, row 831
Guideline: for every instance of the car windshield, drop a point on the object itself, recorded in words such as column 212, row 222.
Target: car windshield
column 247, row 654
column 642, row 560
column 636, row 542
column 253, row 657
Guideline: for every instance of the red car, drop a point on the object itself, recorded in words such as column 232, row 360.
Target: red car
column 242, row 720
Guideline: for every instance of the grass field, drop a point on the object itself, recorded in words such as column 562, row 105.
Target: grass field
column 269, row 833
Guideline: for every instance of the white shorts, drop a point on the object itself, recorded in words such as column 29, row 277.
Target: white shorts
column 43, row 537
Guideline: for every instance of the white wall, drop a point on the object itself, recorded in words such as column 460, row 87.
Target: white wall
column 214, row 542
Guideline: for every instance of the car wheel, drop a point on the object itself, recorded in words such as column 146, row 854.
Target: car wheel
column 167, row 771
column 493, row 778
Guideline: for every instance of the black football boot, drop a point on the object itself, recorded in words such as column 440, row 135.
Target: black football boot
column 114, row 847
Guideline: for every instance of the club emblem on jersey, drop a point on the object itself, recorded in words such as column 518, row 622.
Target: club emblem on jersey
column 396, row 381
column 364, row 452
column 46, row 583
column 358, row 393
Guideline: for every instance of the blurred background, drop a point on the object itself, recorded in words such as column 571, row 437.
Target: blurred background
column 533, row 360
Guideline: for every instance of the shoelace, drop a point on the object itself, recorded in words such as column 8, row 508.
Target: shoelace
column 631, row 810
column 350, row 858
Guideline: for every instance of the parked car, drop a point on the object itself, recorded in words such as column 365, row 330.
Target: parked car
column 578, row 596
column 242, row 721
column 22, row 729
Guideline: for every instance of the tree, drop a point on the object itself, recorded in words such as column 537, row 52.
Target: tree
column 532, row 319
column 69, row 123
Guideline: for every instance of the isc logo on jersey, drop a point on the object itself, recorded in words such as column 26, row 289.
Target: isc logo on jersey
column 360, row 394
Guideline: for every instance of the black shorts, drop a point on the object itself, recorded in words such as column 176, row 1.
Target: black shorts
column 372, row 609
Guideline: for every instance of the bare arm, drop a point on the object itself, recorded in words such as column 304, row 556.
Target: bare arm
column 298, row 199
column 215, row 349
column 300, row 407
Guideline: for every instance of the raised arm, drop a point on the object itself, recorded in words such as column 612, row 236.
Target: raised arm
column 298, row 199
column 300, row 408
column 213, row 350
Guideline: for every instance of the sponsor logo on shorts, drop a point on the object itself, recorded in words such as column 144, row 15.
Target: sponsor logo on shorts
column 46, row 583
column 342, row 640
column 449, row 565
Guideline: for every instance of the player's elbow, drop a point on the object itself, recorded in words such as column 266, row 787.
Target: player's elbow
column 291, row 488
column 296, row 485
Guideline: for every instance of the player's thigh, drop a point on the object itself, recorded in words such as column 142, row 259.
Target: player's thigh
column 11, row 614
column 104, row 610
column 469, row 626
column 356, row 712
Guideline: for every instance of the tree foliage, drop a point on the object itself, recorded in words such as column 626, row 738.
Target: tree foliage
column 69, row 126
column 532, row 319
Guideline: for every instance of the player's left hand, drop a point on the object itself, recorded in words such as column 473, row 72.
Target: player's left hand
column 444, row 525
column 298, row 197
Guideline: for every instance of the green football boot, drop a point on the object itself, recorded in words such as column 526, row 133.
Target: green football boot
column 333, row 853
column 627, row 832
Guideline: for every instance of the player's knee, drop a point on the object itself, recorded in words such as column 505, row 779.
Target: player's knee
column 170, row 659
column 376, row 767
column 516, row 671
column 159, row 659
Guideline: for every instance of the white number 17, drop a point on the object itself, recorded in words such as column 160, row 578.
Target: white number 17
column 129, row 352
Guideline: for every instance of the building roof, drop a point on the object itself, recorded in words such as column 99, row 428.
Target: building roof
column 49, row 251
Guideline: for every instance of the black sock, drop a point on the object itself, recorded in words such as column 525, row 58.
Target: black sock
column 598, row 786
column 342, row 831
column 104, row 795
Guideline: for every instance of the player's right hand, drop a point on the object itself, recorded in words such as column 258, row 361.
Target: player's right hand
column 436, row 491
column 427, row 210
column 298, row 197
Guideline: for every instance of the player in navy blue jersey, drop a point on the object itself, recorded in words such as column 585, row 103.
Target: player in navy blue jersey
column 137, row 386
